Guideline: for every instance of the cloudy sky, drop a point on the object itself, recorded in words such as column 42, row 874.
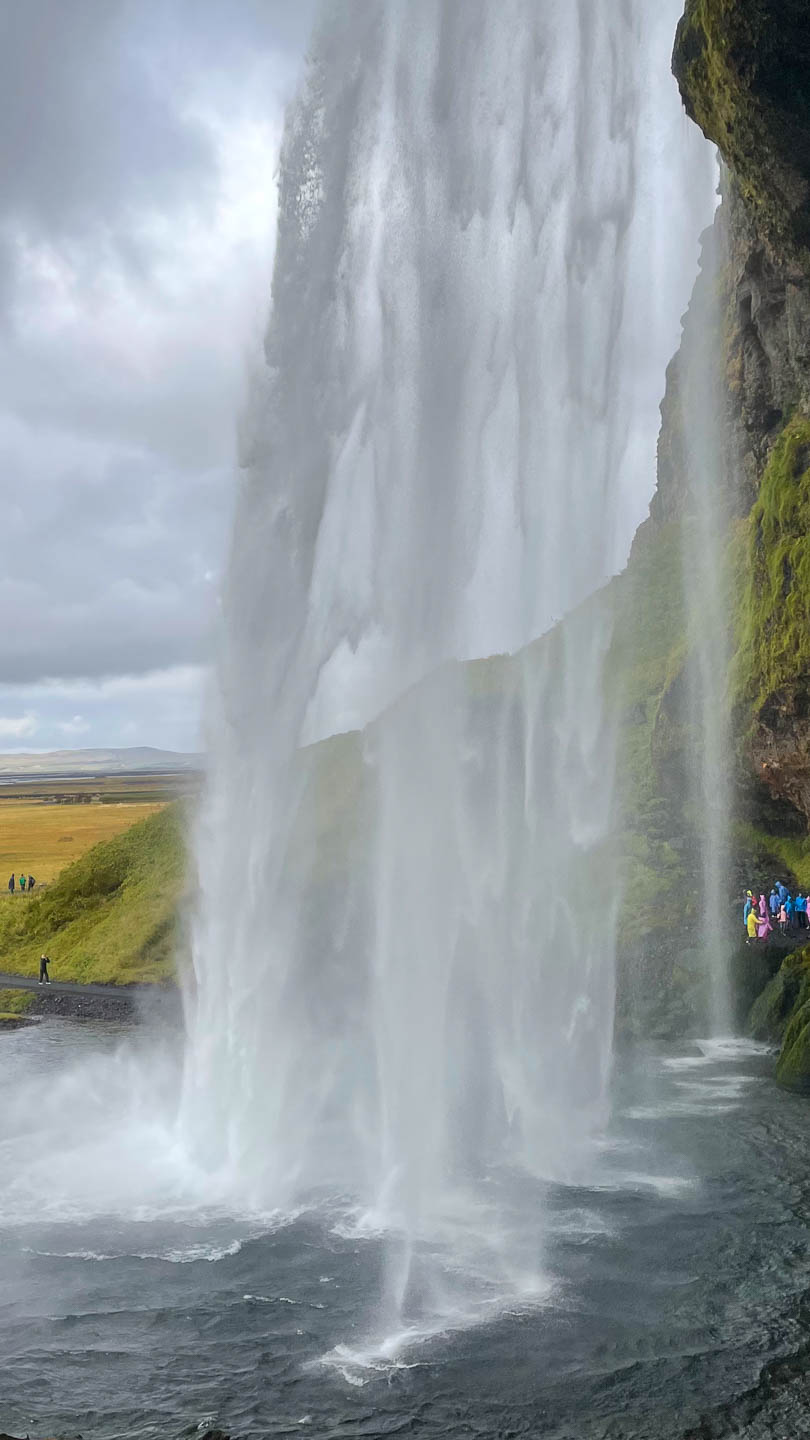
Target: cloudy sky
column 138, row 145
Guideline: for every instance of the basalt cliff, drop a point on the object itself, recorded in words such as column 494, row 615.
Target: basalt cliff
column 743, row 67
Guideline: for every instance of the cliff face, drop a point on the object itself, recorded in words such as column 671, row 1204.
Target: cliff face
column 744, row 71
column 743, row 67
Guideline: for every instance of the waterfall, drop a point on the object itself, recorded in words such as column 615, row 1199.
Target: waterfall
column 712, row 485
column 404, row 946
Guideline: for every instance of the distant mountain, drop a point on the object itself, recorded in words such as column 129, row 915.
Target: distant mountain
column 140, row 759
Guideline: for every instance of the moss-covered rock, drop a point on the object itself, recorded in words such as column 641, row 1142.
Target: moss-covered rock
column 793, row 1065
column 770, row 673
column 772, row 1009
column 773, row 618
column 743, row 67
column 781, row 1016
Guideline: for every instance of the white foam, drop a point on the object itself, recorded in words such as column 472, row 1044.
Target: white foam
column 731, row 1047
column 174, row 1255
column 668, row 1185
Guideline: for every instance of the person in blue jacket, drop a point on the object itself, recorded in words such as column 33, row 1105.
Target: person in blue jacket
column 749, row 901
column 773, row 903
column 783, row 892
column 799, row 912
column 789, row 911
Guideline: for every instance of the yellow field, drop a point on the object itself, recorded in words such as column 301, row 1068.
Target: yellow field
column 42, row 839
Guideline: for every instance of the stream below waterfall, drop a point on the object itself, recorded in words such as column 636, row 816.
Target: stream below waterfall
column 668, row 1287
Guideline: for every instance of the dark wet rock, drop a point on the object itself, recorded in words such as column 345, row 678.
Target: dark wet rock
column 772, row 1008
column 134, row 1003
column 744, row 75
column 84, row 1005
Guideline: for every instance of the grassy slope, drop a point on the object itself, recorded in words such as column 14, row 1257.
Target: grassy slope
column 15, row 1002
column 111, row 917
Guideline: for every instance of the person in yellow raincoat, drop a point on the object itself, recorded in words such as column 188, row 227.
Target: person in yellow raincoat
column 751, row 924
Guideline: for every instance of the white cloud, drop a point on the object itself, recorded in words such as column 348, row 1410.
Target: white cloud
column 71, row 728
column 16, row 727
column 137, row 219
column 161, row 708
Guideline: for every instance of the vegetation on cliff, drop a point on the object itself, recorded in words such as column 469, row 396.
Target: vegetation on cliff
column 781, row 1016
column 113, row 916
column 743, row 67
column 744, row 72
column 773, row 611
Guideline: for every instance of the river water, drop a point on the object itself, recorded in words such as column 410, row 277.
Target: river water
column 660, row 1290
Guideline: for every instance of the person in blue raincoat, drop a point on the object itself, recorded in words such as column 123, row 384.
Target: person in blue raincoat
column 773, row 902
column 749, row 901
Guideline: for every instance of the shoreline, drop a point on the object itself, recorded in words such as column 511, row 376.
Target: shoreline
column 133, row 1003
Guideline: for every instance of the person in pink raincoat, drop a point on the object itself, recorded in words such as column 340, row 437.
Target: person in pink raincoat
column 764, row 926
column 807, row 908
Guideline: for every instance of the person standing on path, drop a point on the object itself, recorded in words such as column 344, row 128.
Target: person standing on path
column 22, row 881
column 44, row 962
column 31, row 883
column 11, row 884
column 764, row 926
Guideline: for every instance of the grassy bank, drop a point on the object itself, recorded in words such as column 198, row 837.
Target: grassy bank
column 112, row 916
column 15, row 1002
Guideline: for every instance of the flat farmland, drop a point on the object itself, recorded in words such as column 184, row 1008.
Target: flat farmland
column 46, row 825
column 41, row 839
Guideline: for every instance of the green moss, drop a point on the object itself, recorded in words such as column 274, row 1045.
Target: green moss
column 783, row 855
column 770, row 1012
column 742, row 67
column 793, row 1065
column 112, row 916
column 773, row 561
column 782, row 1012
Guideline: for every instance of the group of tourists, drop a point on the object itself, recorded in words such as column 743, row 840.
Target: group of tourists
column 25, row 882
column 789, row 912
